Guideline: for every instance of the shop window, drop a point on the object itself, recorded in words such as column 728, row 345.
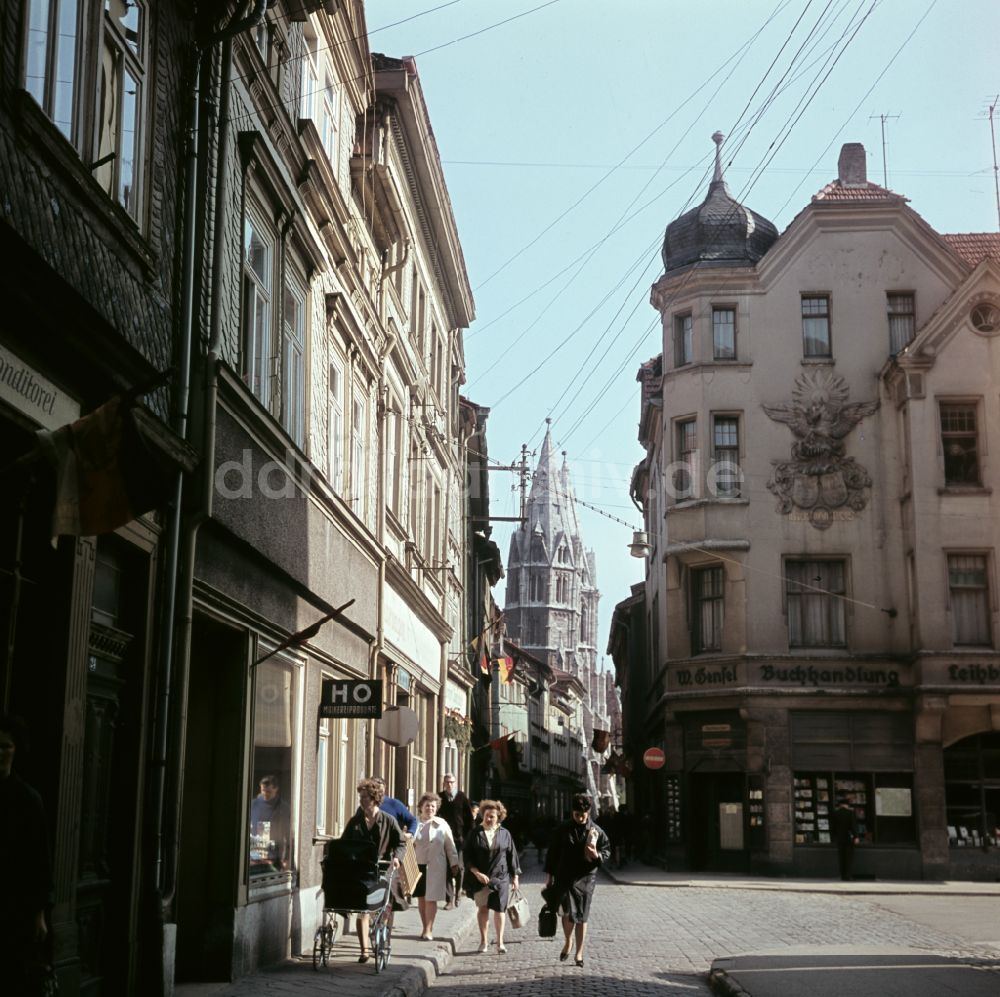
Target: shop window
column 271, row 827
column 814, row 591
column 972, row 791
column 882, row 803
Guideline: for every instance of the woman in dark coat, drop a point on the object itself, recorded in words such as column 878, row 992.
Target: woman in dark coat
column 576, row 850
column 372, row 824
column 492, row 869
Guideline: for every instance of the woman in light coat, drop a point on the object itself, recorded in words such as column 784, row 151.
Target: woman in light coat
column 436, row 855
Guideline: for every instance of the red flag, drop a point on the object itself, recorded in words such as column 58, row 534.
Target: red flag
column 483, row 655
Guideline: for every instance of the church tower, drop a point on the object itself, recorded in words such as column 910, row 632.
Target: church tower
column 551, row 598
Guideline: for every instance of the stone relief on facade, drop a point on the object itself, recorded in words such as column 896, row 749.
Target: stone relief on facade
column 819, row 482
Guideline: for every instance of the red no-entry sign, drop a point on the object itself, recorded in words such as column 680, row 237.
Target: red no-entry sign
column 654, row 758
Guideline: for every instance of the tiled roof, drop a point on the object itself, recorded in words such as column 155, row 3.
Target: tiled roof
column 974, row 247
column 839, row 191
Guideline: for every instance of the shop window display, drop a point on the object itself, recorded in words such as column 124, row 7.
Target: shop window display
column 972, row 791
column 882, row 803
column 271, row 839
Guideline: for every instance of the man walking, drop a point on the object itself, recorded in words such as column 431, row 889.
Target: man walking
column 845, row 834
column 456, row 810
column 396, row 808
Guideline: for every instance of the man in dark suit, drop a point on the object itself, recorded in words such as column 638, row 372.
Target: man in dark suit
column 456, row 811
column 845, row 833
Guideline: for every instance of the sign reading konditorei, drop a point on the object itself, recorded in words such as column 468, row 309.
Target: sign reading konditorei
column 22, row 387
column 353, row 698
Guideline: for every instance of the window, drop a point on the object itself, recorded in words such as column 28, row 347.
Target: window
column 724, row 333
column 726, row 455
column 94, row 93
column 959, row 442
column 331, row 110
column 901, row 321
column 335, row 447
column 335, row 794
column 815, row 325
column 293, row 399
column 969, row 591
column 513, row 594
column 687, row 458
column 537, row 587
column 310, row 74
column 258, row 263
column 359, row 476
column 972, row 791
column 814, row 592
column 683, row 340
column 271, row 826
column 394, row 458
column 706, row 610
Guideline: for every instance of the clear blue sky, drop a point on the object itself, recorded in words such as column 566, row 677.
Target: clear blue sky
column 573, row 134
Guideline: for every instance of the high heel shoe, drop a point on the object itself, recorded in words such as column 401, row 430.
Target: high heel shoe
column 364, row 957
column 482, row 947
column 502, row 949
column 579, row 961
column 564, row 955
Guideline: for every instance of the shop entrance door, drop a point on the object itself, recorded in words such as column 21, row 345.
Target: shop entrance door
column 717, row 830
column 215, row 817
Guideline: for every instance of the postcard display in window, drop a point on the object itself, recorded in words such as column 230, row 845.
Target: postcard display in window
column 673, row 796
column 815, row 797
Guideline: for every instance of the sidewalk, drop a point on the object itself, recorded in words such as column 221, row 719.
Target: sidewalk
column 637, row 874
column 413, row 966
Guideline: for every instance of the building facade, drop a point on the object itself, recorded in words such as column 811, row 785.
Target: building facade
column 236, row 215
column 821, row 595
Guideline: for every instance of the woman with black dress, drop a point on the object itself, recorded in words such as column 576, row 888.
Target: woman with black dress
column 383, row 831
column 492, row 869
column 577, row 849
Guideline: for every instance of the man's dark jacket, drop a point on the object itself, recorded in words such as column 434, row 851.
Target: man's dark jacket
column 457, row 812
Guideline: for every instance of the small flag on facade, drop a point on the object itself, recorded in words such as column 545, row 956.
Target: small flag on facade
column 483, row 655
column 506, row 670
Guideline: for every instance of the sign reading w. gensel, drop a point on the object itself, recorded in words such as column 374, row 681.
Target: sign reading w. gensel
column 358, row 699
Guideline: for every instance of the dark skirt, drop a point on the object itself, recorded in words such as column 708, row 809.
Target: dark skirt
column 576, row 899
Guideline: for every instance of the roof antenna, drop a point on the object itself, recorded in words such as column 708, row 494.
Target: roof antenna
column 883, row 118
column 718, row 138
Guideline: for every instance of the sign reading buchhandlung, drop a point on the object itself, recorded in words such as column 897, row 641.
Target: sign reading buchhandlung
column 353, row 698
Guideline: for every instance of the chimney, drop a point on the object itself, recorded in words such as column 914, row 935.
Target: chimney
column 851, row 167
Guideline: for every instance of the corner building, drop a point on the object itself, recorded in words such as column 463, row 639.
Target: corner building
column 820, row 488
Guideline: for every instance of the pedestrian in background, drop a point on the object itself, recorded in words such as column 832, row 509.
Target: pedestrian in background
column 845, row 834
column 396, row 808
column 577, row 849
column 492, row 869
column 437, row 860
column 26, row 892
column 456, row 809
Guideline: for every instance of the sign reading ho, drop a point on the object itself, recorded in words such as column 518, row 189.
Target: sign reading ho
column 359, row 700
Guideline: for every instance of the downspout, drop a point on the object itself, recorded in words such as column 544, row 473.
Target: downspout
column 376, row 651
column 183, row 531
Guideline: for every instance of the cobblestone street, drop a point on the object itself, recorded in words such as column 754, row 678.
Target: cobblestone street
column 657, row 942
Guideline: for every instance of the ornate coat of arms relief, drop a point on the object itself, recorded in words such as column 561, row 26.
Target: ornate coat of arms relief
column 819, row 482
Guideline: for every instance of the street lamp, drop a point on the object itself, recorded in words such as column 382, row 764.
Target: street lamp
column 639, row 547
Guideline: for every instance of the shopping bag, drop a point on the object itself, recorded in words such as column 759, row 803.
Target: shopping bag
column 518, row 911
column 547, row 921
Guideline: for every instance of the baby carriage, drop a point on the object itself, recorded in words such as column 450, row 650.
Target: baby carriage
column 355, row 882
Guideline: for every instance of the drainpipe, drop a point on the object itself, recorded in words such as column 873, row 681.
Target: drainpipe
column 180, row 544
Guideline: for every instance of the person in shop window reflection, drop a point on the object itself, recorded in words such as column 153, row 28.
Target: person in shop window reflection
column 845, row 834
column 270, row 826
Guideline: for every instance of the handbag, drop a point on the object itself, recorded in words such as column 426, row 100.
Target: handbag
column 547, row 921
column 518, row 910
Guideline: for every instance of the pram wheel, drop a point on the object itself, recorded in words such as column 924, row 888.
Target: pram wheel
column 381, row 946
column 326, row 935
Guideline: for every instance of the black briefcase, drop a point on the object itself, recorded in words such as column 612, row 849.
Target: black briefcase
column 547, row 922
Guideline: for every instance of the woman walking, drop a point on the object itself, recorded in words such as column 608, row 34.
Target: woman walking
column 491, row 870
column 374, row 825
column 436, row 857
column 577, row 849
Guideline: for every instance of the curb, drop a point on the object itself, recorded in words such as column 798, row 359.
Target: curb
column 415, row 980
